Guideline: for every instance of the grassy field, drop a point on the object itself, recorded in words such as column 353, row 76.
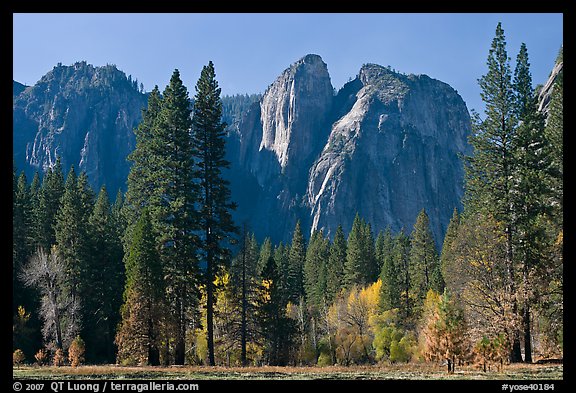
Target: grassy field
column 403, row 371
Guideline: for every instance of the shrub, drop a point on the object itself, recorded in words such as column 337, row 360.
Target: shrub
column 59, row 358
column 41, row 357
column 76, row 352
column 383, row 340
column 401, row 351
column 325, row 347
column 18, row 357
column 324, row 360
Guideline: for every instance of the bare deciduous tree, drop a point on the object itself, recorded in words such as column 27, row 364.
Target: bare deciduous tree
column 59, row 311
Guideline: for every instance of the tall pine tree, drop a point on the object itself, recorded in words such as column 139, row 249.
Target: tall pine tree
column 531, row 195
column 401, row 262
column 490, row 170
column 72, row 239
column 161, row 179
column 217, row 227
column 22, row 246
column 175, row 216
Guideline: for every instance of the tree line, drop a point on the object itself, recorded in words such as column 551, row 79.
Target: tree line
column 164, row 276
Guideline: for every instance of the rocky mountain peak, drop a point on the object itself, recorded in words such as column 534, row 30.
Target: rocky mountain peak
column 78, row 112
column 292, row 116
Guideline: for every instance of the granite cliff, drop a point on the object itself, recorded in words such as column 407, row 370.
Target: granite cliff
column 85, row 115
column 386, row 146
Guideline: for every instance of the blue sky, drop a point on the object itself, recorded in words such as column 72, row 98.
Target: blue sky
column 250, row 50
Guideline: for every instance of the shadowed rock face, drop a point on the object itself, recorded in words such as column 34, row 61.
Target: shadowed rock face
column 84, row 114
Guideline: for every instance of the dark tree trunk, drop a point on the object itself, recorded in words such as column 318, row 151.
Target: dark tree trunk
column 153, row 352
column 180, row 347
column 210, row 303
column 527, row 335
column 516, row 353
column 244, row 307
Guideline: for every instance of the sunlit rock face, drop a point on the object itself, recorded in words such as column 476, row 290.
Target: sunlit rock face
column 386, row 146
column 394, row 151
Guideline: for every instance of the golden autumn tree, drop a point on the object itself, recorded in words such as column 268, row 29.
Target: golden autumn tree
column 349, row 317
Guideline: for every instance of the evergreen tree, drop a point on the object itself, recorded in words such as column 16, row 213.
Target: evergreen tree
column 117, row 215
column 138, row 336
column 22, row 245
column 244, row 280
column 48, row 206
column 531, row 194
column 390, row 289
column 449, row 271
column 335, row 265
column 174, row 215
column 361, row 267
column 424, row 265
column 72, row 240
column 296, row 259
column 281, row 256
column 277, row 329
column 401, row 262
column 161, row 179
column 86, row 195
column 265, row 253
column 353, row 273
column 105, row 276
column 383, row 248
column 208, row 134
column 370, row 263
column 490, row 170
column 142, row 179
column 315, row 274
